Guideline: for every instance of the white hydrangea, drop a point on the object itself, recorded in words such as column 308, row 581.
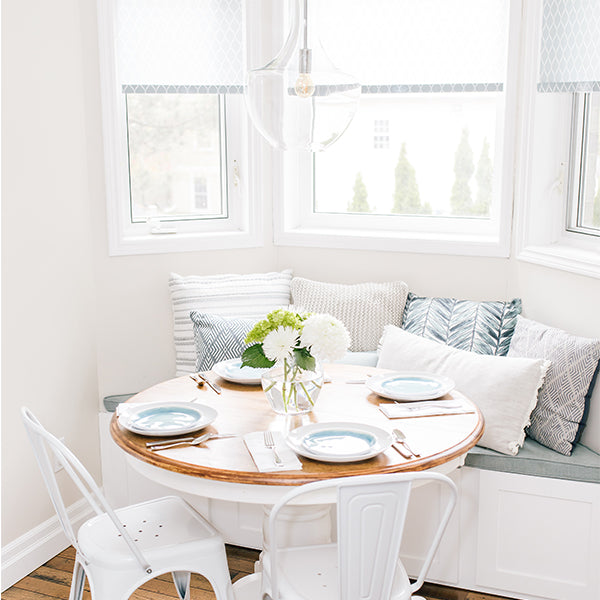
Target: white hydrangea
column 325, row 336
column 280, row 343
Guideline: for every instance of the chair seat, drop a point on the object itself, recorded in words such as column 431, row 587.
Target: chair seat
column 162, row 527
column 314, row 570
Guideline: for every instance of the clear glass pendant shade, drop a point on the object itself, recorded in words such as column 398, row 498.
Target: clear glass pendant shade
column 300, row 100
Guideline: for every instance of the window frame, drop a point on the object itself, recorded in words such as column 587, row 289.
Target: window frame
column 241, row 228
column 297, row 225
column 543, row 168
column 578, row 155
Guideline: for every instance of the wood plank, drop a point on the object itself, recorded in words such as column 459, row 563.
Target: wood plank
column 52, row 582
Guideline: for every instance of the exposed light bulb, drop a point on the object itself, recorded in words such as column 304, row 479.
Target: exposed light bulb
column 305, row 86
column 299, row 100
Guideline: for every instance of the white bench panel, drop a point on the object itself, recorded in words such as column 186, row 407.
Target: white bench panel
column 538, row 536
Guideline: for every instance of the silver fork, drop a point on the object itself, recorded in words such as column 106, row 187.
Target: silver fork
column 401, row 439
column 187, row 441
column 270, row 443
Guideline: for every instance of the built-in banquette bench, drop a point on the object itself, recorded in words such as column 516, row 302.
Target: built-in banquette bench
column 527, row 525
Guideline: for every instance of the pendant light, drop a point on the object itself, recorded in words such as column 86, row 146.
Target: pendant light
column 300, row 100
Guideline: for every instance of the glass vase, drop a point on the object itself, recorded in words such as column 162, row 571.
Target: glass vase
column 290, row 389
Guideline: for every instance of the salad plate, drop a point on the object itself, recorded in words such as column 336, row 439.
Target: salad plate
column 232, row 370
column 166, row 418
column 410, row 386
column 339, row 441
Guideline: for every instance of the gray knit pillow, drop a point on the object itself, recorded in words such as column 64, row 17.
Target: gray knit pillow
column 364, row 308
column 559, row 416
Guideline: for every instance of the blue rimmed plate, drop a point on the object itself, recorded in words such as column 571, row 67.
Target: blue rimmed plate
column 166, row 418
column 339, row 442
column 410, row 386
column 232, row 370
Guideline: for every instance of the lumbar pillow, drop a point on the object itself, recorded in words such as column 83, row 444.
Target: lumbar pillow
column 505, row 389
column 559, row 417
column 243, row 296
column 218, row 338
column 364, row 308
column 481, row 327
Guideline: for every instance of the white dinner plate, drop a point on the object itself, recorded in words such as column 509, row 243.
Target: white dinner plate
column 232, row 370
column 166, row 418
column 410, row 386
column 339, row 442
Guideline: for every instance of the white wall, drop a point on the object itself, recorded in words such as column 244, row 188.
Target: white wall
column 79, row 325
column 48, row 303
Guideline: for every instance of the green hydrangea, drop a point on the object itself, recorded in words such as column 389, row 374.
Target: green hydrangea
column 277, row 318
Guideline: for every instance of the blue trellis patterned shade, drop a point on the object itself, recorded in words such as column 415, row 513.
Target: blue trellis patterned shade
column 179, row 46
column 570, row 47
column 403, row 46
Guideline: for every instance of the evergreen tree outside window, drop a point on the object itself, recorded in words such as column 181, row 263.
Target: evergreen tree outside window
column 407, row 200
column 461, row 201
column 359, row 201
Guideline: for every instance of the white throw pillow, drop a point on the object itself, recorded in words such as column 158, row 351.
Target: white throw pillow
column 505, row 389
column 244, row 296
column 364, row 308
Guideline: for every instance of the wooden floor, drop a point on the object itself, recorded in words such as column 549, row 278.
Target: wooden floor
column 53, row 580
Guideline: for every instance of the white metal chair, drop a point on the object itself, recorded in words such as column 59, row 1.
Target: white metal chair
column 120, row 550
column 364, row 563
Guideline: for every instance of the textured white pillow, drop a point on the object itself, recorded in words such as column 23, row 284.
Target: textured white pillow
column 243, row 296
column 364, row 308
column 505, row 389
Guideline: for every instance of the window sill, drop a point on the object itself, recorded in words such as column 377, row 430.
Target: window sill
column 183, row 242
column 564, row 257
column 392, row 241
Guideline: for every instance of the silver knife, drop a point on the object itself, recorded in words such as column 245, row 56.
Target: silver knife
column 215, row 386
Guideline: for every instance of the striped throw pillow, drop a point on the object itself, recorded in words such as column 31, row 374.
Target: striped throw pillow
column 244, row 296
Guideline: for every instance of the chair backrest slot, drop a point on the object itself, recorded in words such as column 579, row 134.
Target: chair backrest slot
column 370, row 524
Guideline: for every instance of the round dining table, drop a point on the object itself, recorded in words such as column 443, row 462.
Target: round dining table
column 223, row 468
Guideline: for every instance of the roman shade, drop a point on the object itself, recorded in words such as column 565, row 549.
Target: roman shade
column 570, row 46
column 406, row 46
column 179, row 46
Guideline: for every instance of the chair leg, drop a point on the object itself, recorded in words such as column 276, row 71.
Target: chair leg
column 182, row 584
column 77, row 582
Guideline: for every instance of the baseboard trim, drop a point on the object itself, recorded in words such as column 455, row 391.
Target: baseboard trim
column 37, row 546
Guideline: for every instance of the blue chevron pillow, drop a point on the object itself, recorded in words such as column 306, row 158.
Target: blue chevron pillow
column 481, row 327
column 218, row 338
column 559, row 417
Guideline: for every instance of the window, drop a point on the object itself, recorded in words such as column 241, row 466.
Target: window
column 559, row 224
column 200, row 194
column 583, row 215
column 175, row 126
column 381, row 134
column 425, row 164
column 175, row 147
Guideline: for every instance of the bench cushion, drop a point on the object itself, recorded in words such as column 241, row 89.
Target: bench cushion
column 539, row 461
